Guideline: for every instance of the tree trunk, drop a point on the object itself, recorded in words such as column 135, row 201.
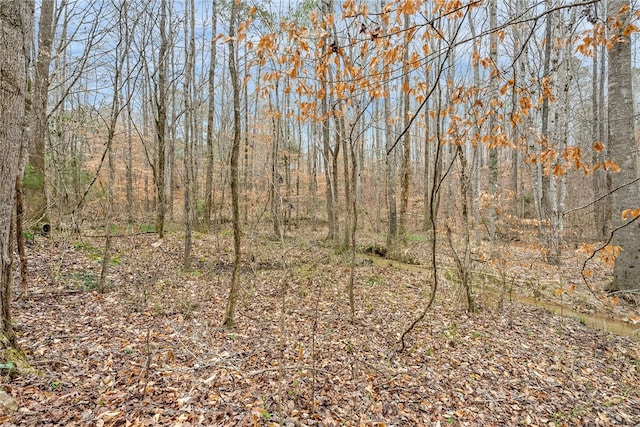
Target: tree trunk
column 16, row 26
column 354, row 226
column 208, row 197
column 161, row 121
column 542, row 180
column 35, row 177
column 558, row 177
column 377, row 158
column 392, row 231
column 464, row 264
column 235, row 194
column 602, row 207
column 493, row 150
column 623, row 149
column 406, row 143
column 341, row 137
column 189, row 135
column 277, row 123
column 328, row 157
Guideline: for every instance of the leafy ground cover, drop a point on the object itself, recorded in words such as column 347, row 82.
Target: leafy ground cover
column 150, row 350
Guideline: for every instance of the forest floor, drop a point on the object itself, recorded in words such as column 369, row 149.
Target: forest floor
column 150, row 350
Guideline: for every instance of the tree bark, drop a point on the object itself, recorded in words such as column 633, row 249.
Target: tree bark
column 276, row 178
column 208, row 198
column 35, row 184
column 190, row 51
column 16, row 26
column 161, row 121
column 235, row 194
column 623, row 149
column 493, row 151
column 601, row 183
column 392, row 231
column 559, row 140
column 406, row 143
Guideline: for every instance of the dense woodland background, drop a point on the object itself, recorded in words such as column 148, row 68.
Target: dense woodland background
column 403, row 185
column 529, row 117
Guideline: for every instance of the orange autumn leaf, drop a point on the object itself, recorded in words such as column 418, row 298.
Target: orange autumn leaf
column 610, row 165
column 598, row 146
column 630, row 213
column 525, row 103
column 629, row 29
column 609, row 253
column 558, row 170
column 586, row 248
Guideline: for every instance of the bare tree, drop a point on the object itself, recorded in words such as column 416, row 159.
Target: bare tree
column 160, row 104
column 189, row 131
column 406, row 143
column 493, row 150
column 208, row 203
column 235, row 176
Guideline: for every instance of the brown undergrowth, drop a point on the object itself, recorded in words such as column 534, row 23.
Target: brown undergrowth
column 150, row 350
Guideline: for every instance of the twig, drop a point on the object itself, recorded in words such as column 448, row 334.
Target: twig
column 584, row 264
column 593, row 202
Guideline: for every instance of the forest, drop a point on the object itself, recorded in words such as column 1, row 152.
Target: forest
column 319, row 212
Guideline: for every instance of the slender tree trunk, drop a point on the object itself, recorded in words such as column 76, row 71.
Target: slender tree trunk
column 406, row 144
column 341, row 136
column 327, row 160
column 354, row 227
column 208, row 198
column 478, row 149
column 161, row 121
column 542, row 181
column 602, row 207
column 129, row 127
column 106, row 255
column 190, row 50
column 392, row 231
column 276, row 198
column 428, row 165
column 313, row 183
column 493, row 151
column 246, row 185
column 235, row 194
column 464, row 265
column 603, row 136
column 379, row 174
